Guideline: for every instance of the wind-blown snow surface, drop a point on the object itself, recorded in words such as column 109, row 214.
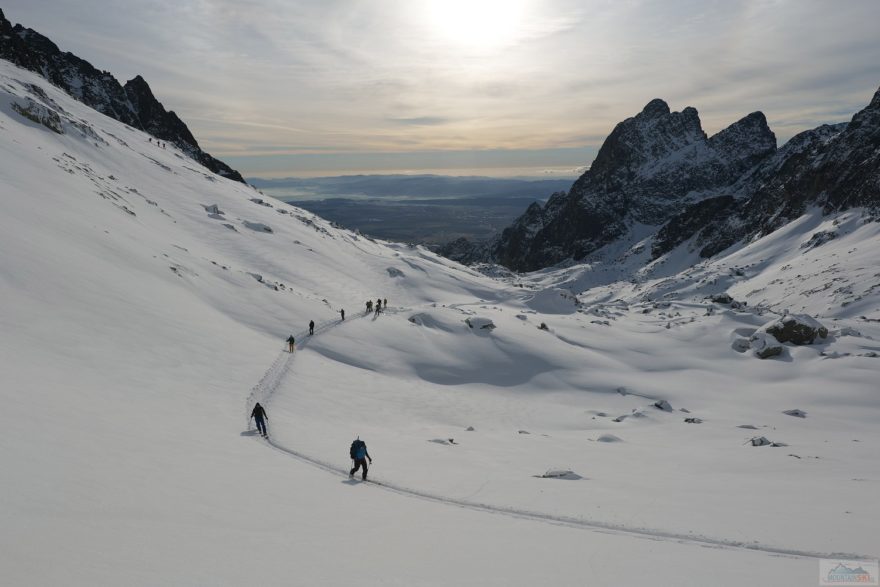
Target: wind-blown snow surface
column 144, row 299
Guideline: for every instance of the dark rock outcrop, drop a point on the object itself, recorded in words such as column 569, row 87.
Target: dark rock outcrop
column 795, row 329
column 132, row 104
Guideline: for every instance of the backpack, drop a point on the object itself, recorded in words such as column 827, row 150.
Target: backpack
column 355, row 448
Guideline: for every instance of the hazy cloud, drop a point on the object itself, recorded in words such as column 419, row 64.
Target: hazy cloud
column 394, row 84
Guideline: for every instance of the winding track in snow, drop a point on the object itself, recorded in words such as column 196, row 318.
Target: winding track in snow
column 273, row 377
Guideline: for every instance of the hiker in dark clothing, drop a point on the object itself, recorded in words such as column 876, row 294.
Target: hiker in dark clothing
column 342, row 313
column 385, row 303
column 378, row 306
column 311, row 327
column 259, row 415
column 359, row 455
column 290, row 343
column 369, row 306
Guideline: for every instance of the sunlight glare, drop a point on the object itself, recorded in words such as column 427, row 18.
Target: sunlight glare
column 479, row 24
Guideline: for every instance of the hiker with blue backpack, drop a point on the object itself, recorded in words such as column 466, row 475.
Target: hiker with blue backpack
column 359, row 454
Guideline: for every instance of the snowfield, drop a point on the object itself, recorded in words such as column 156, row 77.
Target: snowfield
column 145, row 304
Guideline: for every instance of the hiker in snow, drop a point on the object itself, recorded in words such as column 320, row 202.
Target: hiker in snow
column 259, row 415
column 385, row 303
column 342, row 313
column 378, row 306
column 369, row 306
column 359, row 455
column 311, row 327
column 290, row 343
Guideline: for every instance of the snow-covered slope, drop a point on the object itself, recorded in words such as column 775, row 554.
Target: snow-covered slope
column 145, row 304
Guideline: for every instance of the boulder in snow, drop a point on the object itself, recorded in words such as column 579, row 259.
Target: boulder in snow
column 740, row 344
column 722, row 298
column 794, row 328
column 765, row 345
column 760, row 441
column 663, row 405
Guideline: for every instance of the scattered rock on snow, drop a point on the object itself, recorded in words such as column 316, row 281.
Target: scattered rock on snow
column 560, row 474
column 469, row 429
column 763, row 441
column 693, row 420
column 748, row 426
column 484, row 324
column 795, row 413
column 524, row 432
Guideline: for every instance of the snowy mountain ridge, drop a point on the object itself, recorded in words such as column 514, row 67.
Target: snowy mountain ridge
column 609, row 433
column 133, row 103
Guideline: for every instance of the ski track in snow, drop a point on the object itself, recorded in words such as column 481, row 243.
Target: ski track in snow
column 276, row 373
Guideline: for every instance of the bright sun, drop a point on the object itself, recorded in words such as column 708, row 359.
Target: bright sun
column 480, row 24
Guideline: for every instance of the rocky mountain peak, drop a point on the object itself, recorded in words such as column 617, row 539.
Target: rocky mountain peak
column 652, row 134
column 747, row 138
column 655, row 109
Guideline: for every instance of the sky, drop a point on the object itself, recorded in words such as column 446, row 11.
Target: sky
column 486, row 87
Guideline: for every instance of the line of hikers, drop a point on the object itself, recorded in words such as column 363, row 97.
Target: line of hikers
column 291, row 340
column 380, row 303
column 358, row 450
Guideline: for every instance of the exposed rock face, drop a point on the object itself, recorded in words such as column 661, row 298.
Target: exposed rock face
column 660, row 169
column 132, row 104
column 648, row 169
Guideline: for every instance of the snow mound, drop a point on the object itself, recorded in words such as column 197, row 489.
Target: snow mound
column 609, row 438
column 553, row 301
column 258, row 226
column 430, row 321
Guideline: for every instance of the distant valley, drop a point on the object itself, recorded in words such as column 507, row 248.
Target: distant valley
column 425, row 209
